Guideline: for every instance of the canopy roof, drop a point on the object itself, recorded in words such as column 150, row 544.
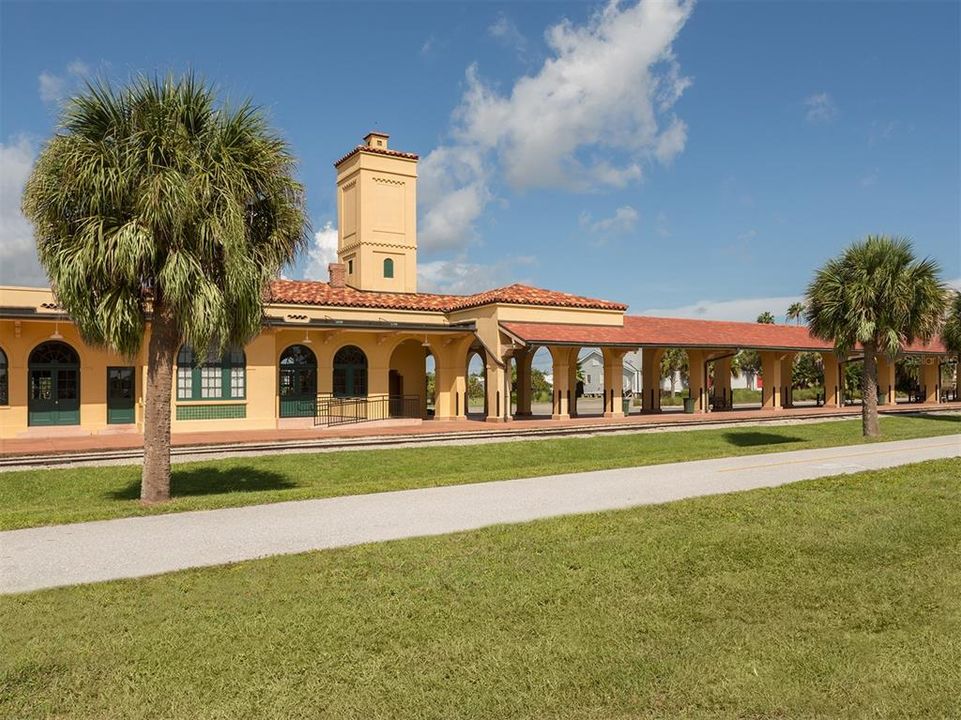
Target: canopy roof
column 643, row 331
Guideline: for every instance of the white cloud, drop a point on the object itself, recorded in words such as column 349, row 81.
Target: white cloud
column 820, row 108
column 18, row 253
column 54, row 88
column 746, row 309
column 622, row 221
column 869, row 178
column 460, row 277
column 505, row 31
column 596, row 111
column 322, row 251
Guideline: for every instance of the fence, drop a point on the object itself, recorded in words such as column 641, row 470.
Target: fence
column 333, row 411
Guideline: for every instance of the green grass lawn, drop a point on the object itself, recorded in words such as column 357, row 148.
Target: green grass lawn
column 45, row 497
column 836, row 598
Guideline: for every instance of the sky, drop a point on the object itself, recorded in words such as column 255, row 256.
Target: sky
column 698, row 160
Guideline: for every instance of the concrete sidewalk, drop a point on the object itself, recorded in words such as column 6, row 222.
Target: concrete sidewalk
column 90, row 552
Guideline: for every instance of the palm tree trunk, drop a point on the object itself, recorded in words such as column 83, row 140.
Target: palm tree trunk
column 869, row 393
column 164, row 339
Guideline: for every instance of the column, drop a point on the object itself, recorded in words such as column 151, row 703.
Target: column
column 886, row 380
column 697, row 383
column 523, row 357
column 931, row 379
column 832, row 379
column 787, row 379
column 651, row 380
column 496, row 387
column 562, row 390
column 450, row 378
column 771, row 375
column 723, row 396
column 613, row 382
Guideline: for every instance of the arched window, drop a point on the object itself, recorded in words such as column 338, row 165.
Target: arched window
column 298, row 382
column 388, row 268
column 4, row 380
column 350, row 372
column 218, row 377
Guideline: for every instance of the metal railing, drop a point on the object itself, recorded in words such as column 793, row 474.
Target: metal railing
column 333, row 411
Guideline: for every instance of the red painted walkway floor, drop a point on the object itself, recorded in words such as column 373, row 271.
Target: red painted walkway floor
column 82, row 443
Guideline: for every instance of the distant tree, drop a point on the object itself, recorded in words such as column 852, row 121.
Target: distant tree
column 766, row 318
column 795, row 312
column 156, row 204
column 540, row 388
column 807, row 371
column 674, row 363
column 475, row 386
column 878, row 295
column 951, row 335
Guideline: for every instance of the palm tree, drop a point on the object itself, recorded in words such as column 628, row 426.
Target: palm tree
column 951, row 335
column 879, row 295
column 155, row 204
column 795, row 312
column 766, row 318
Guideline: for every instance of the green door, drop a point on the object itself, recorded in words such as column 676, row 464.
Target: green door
column 121, row 393
column 54, row 383
column 298, row 382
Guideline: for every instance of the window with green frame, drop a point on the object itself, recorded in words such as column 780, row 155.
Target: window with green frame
column 4, row 379
column 218, row 377
column 388, row 268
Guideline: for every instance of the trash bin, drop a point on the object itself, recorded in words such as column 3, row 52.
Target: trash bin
column 626, row 405
column 689, row 405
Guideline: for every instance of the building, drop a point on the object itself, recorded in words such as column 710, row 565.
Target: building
column 357, row 346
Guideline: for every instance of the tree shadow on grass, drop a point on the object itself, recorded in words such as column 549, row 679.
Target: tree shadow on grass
column 213, row 481
column 754, row 439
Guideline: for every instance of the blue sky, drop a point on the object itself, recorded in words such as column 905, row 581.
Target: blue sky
column 698, row 160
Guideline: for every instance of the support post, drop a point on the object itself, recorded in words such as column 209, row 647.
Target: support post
column 931, row 379
column 722, row 383
column 787, row 379
column 651, row 379
column 832, row 379
column 561, row 357
column 613, row 382
column 697, row 382
column 771, row 378
column 886, row 380
column 494, row 383
column 524, row 358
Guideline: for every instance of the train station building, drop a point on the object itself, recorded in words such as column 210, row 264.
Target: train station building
column 357, row 346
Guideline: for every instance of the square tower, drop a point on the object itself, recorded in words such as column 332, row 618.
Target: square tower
column 377, row 216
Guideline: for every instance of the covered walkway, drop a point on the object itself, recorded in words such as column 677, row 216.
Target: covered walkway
column 710, row 346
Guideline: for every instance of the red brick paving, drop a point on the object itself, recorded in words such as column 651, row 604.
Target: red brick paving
column 81, row 443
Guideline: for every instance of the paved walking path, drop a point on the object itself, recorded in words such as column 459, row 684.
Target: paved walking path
column 90, row 552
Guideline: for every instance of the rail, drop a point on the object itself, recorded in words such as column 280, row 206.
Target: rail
column 333, row 411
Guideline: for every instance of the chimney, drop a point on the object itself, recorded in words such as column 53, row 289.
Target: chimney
column 376, row 140
column 338, row 275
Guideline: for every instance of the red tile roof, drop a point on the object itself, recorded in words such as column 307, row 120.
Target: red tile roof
column 377, row 151
column 682, row 332
column 309, row 292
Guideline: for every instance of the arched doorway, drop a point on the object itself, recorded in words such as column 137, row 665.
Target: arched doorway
column 54, row 382
column 475, row 404
column 298, row 382
column 350, row 372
